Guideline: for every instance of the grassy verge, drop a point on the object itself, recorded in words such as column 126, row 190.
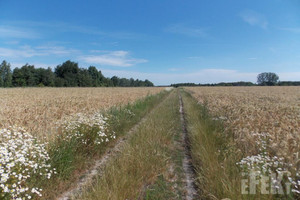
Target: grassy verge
column 71, row 156
column 214, row 155
column 141, row 170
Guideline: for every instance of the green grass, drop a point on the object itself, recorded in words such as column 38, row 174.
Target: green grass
column 122, row 122
column 161, row 189
column 71, row 158
column 140, row 171
column 213, row 154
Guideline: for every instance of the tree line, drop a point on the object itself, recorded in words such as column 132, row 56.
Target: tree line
column 68, row 74
column 263, row 79
column 240, row 83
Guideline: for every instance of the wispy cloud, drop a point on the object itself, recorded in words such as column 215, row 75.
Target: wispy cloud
column 187, row 31
column 293, row 30
column 113, row 58
column 195, row 57
column 55, row 50
column 14, row 32
column 27, row 51
column 101, row 57
column 255, row 19
column 33, row 29
column 11, row 42
column 173, row 69
column 36, row 64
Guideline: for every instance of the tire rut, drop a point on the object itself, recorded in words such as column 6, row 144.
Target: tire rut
column 188, row 168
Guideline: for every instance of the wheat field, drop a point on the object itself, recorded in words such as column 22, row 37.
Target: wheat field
column 250, row 111
column 39, row 110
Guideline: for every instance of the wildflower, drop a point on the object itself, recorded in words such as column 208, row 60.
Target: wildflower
column 21, row 155
column 73, row 128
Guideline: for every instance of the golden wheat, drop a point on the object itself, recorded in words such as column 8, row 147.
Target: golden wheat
column 39, row 110
column 250, row 110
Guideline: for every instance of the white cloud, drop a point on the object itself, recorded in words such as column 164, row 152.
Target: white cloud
column 188, row 31
column 113, row 58
column 254, row 19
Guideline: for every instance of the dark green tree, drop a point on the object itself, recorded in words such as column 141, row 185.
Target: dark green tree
column 267, row 78
column 115, row 80
column 289, row 83
column 30, row 75
column 69, row 72
column 148, row 83
column 45, row 77
column 124, row 82
column 131, row 82
column 107, row 82
column 25, row 76
column 84, row 78
column 140, row 83
column 59, row 82
column 97, row 77
column 18, row 78
column 5, row 75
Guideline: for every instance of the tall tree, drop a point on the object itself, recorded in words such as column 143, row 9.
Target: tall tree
column 69, row 72
column 18, row 78
column 124, row 82
column 45, row 76
column 148, row 83
column 115, row 80
column 97, row 77
column 30, row 75
column 267, row 78
column 84, row 78
column 5, row 75
column 25, row 76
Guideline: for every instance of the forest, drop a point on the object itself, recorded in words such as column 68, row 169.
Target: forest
column 68, row 74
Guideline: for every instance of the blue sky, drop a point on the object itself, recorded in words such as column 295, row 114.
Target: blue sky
column 165, row 41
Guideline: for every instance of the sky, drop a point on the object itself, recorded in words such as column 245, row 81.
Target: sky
column 165, row 41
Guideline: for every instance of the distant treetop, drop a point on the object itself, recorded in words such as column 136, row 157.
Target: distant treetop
column 267, row 78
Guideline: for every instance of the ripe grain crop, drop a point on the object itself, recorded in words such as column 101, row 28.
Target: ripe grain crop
column 265, row 122
column 40, row 110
